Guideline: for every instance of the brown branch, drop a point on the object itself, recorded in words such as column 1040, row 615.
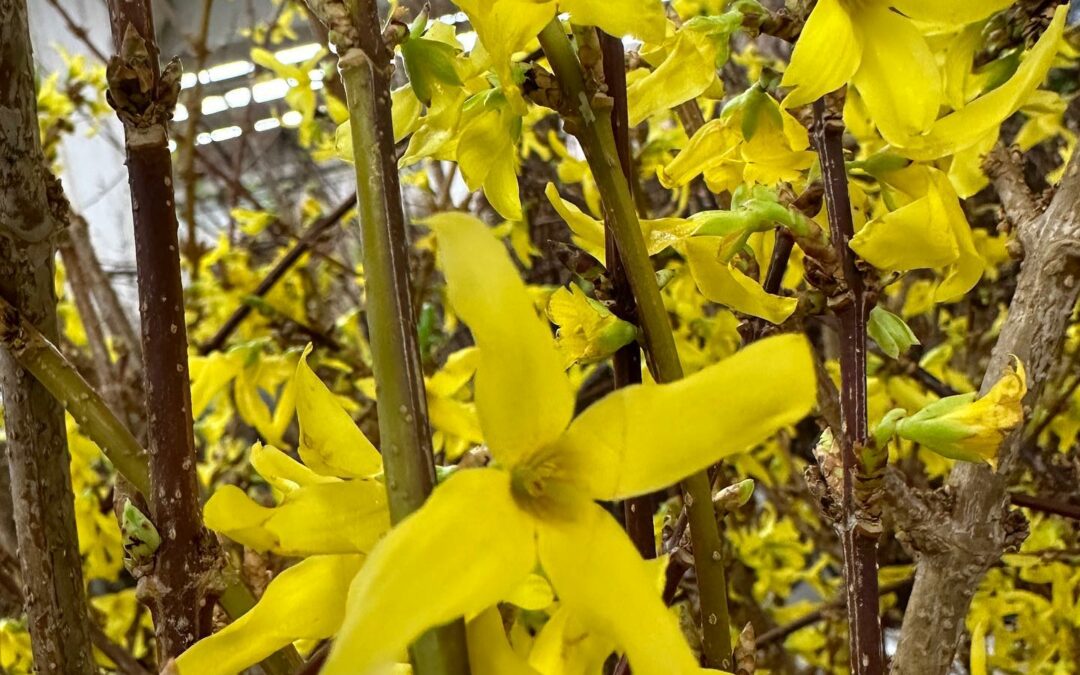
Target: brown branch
column 182, row 574
column 37, row 452
column 859, row 543
column 80, row 33
column 302, row 246
column 626, row 364
column 186, row 151
column 1044, row 505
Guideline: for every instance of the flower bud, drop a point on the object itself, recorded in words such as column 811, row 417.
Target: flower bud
column 969, row 429
column 890, row 332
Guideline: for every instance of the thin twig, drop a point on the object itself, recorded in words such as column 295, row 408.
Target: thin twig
column 780, row 632
column 859, row 543
column 80, row 33
column 1036, row 503
column 626, row 364
column 302, row 246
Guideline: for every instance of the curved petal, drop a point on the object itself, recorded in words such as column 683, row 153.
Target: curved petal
column 599, row 575
column 917, row 235
column 588, row 232
column 455, row 373
column 522, row 395
column 712, row 145
column 825, row 57
column 566, row 647
column 967, row 126
column 724, row 284
column 962, row 275
column 463, row 551
column 898, row 77
column 456, row 418
column 330, row 442
column 283, row 472
column 344, row 517
column 490, row 652
column 306, row 601
column 687, row 72
column 952, row 13
column 646, row 437
column 209, row 375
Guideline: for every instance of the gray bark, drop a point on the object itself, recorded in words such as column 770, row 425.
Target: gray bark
column 38, row 461
column 959, row 534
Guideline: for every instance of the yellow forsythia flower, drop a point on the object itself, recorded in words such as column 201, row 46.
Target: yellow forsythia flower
column 483, row 531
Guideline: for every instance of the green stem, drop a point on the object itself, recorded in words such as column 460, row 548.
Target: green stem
column 597, row 138
column 63, row 381
column 408, row 459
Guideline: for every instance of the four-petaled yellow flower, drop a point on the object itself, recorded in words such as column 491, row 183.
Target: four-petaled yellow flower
column 485, row 530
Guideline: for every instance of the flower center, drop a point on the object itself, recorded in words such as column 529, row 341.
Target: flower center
column 542, row 486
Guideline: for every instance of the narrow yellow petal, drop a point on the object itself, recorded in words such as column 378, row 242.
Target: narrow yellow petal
column 898, row 77
column 489, row 650
column 463, row 551
column 687, row 72
column 588, row 232
column 519, row 367
column 306, row 601
column 965, row 127
column 209, row 375
column 712, row 145
column 283, row 472
column 645, row 437
column 962, row 275
column 599, row 575
column 456, row 418
column 641, row 18
column 724, row 284
column 565, row 646
column 951, row 12
column 455, row 373
column 342, row 517
column 978, row 648
column 501, row 187
column 825, row 57
column 330, row 442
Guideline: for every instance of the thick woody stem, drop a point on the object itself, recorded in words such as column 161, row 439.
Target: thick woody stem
column 859, row 544
column 143, row 95
column 37, row 453
column 975, row 527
